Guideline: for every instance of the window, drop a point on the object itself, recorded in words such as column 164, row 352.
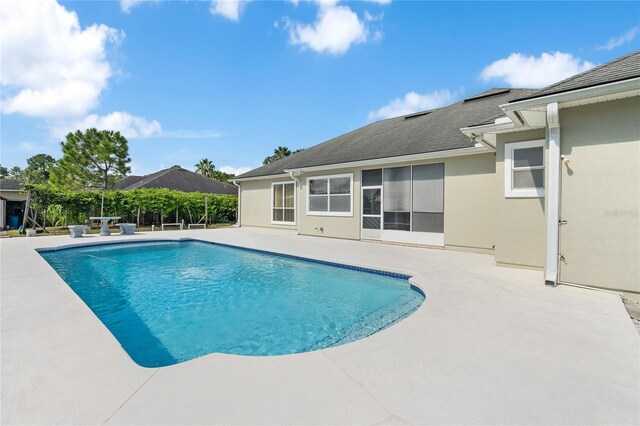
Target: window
column 524, row 169
column 330, row 195
column 283, row 202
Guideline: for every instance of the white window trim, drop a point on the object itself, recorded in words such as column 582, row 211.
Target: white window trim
column 330, row 213
column 509, row 192
column 278, row 222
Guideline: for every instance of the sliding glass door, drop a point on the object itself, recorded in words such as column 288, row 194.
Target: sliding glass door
column 397, row 201
column 412, row 201
column 427, row 212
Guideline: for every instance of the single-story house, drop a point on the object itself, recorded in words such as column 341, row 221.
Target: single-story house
column 546, row 179
column 178, row 179
column 13, row 198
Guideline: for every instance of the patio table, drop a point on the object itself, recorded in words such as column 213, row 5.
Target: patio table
column 104, row 229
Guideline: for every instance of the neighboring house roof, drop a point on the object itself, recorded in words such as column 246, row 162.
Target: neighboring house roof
column 11, row 185
column 128, row 180
column 429, row 131
column 178, row 179
column 623, row 68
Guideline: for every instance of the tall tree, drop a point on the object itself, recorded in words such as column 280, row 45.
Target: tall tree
column 4, row 172
column 39, row 168
column 13, row 173
column 279, row 153
column 205, row 167
column 222, row 176
column 95, row 158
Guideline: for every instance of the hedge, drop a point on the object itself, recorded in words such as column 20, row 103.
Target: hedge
column 63, row 207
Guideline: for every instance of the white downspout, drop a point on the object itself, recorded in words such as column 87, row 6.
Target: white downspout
column 552, row 195
column 235, row 182
column 296, row 177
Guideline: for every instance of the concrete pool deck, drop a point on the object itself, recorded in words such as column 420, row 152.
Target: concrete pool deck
column 490, row 345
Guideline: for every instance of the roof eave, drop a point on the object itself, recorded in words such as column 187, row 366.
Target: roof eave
column 261, row 177
column 501, row 125
column 618, row 89
column 477, row 149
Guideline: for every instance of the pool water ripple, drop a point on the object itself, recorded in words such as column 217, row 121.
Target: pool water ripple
column 169, row 302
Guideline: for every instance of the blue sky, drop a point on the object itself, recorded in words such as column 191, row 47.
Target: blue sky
column 232, row 80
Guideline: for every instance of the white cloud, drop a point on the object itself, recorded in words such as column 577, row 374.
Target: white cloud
column 230, row 9
column 127, row 5
column 519, row 70
column 130, row 126
column 235, row 170
column 335, row 30
column 370, row 18
column 51, row 67
column 379, row 1
column 414, row 102
column 614, row 42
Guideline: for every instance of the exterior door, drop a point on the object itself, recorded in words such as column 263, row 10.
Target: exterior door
column 371, row 213
column 371, row 220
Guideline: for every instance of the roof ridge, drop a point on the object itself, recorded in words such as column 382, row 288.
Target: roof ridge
column 144, row 180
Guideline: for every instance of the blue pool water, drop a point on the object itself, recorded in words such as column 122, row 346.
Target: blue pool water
column 169, row 302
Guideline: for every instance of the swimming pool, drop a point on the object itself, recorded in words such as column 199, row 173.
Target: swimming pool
column 171, row 301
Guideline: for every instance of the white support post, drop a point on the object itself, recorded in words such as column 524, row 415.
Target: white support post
column 552, row 195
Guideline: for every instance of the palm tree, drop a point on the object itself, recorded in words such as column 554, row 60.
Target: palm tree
column 279, row 153
column 205, row 167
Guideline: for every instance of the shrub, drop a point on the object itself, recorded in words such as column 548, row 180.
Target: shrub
column 78, row 206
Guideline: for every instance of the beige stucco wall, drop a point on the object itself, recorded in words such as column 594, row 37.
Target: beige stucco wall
column 520, row 222
column 601, row 195
column 255, row 203
column 469, row 196
column 469, row 202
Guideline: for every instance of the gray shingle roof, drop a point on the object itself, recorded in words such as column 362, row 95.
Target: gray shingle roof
column 178, row 179
column 438, row 130
column 11, row 185
column 623, row 68
column 128, row 180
